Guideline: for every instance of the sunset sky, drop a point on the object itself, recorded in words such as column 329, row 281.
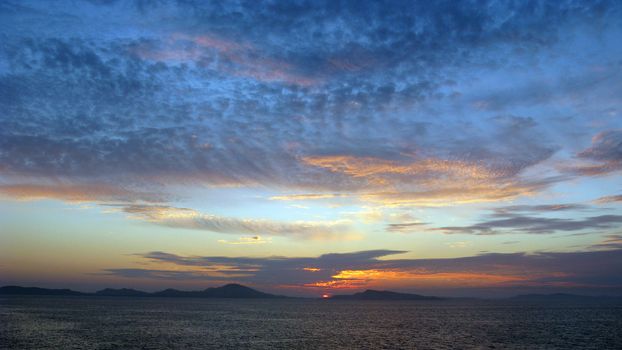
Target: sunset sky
column 467, row 148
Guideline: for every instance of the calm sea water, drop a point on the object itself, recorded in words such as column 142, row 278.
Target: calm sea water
column 134, row 323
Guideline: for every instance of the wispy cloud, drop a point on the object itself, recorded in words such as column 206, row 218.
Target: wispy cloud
column 192, row 219
column 535, row 219
column 539, row 209
column 610, row 242
column 246, row 240
column 78, row 193
column 609, row 199
column 605, row 154
column 306, row 196
column 428, row 181
column 226, row 55
column 405, row 227
column 535, row 225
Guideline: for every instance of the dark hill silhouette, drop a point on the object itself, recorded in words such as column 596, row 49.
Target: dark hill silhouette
column 226, row 291
column 383, row 295
column 174, row 293
column 236, row 291
column 123, row 292
column 17, row 290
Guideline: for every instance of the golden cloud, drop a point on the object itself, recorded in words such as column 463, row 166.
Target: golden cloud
column 76, row 193
column 424, row 182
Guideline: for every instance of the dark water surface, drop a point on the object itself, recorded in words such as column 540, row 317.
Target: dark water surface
column 159, row 323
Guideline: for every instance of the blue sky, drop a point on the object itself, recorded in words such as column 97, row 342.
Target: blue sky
column 445, row 147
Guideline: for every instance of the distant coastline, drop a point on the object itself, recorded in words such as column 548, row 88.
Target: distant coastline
column 237, row 291
column 227, row 291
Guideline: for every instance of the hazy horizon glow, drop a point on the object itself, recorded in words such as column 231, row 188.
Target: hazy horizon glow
column 312, row 148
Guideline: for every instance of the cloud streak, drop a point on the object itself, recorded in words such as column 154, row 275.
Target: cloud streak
column 428, row 181
column 535, row 225
column 191, row 219
column 605, row 154
column 78, row 193
column 609, row 199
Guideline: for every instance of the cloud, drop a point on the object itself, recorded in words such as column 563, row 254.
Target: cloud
column 459, row 244
column 255, row 94
column 78, row 193
column 605, row 154
column 610, row 242
column 305, row 196
column 404, row 227
column 606, row 146
column 609, row 199
column 191, row 219
column 453, row 194
column 229, row 56
column 598, row 270
column 535, row 225
column 160, row 274
column 246, row 240
column 377, row 171
column 539, row 209
column 534, row 219
column 436, row 179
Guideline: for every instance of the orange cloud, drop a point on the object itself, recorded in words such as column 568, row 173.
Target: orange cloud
column 454, row 194
column 426, row 182
column 357, row 279
column 76, row 193
column 376, row 168
column 336, row 284
column 421, row 277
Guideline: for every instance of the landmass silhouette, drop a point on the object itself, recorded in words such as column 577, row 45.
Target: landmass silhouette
column 238, row 291
column 227, row 291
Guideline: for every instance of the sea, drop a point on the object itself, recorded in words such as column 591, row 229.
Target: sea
column 29, row 322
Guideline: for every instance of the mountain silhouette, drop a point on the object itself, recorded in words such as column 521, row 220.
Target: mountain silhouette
column 17, row 290
column 123, row 292
column 234, row 290
column 227, row 291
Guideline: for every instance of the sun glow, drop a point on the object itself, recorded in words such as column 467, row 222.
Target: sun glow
column 351, row 279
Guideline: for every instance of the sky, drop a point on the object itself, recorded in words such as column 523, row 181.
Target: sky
column 453, row 148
